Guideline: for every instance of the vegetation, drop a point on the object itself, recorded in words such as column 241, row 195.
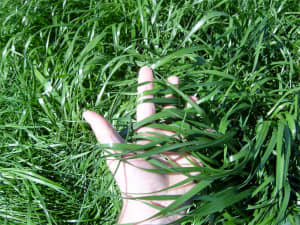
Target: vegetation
column 59, row 58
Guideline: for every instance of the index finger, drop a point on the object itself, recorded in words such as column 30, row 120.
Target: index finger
column 145, row 109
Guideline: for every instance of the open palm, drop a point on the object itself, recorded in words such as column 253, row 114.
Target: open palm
column 130, row 178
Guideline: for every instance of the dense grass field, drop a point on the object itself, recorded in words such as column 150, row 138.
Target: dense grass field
column 61, row 57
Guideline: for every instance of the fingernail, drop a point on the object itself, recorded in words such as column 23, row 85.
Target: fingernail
column 145, row 69
column 85, row 115
column 173, row 80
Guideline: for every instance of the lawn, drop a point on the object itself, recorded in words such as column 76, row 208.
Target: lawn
column 61, row 57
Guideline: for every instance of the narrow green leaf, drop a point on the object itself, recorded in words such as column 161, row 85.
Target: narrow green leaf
column 257, row 50
column 33, row 177
column 280, row 157
column 201, row 22
column 90, row 46
column 223, row 200
column 284, row 204
column 177, row 54
column 261, row 136
column 218, row 74
column 183, row 198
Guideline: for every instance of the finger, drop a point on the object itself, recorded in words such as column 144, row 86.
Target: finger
column 179, row 159
column 174, row 80
column 146, row 109
column 194, row 99
column 151, row 131
column 182, row 159
column 102, row 129
column 105, row 134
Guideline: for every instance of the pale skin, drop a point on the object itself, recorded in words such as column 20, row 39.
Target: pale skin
column 128, row 175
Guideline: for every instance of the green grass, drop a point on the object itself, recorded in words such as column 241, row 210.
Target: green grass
column 59, row 58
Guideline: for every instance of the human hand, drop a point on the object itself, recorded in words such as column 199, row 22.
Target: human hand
column 130, row 178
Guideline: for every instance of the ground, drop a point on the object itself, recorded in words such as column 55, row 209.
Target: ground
column 60, row 58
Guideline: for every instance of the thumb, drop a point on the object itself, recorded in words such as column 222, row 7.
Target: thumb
column 102, row 129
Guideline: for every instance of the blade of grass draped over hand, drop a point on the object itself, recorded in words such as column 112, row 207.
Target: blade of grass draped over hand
column 221, row 201
column 179, row 201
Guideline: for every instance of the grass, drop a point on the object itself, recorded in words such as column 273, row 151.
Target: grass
column 59, row 58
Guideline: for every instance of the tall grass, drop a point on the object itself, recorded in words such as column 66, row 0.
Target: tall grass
column 59, row 58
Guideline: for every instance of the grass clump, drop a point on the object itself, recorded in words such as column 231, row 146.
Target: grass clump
column 61, row 57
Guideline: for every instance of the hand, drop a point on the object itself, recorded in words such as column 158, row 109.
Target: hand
column 128, row 175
